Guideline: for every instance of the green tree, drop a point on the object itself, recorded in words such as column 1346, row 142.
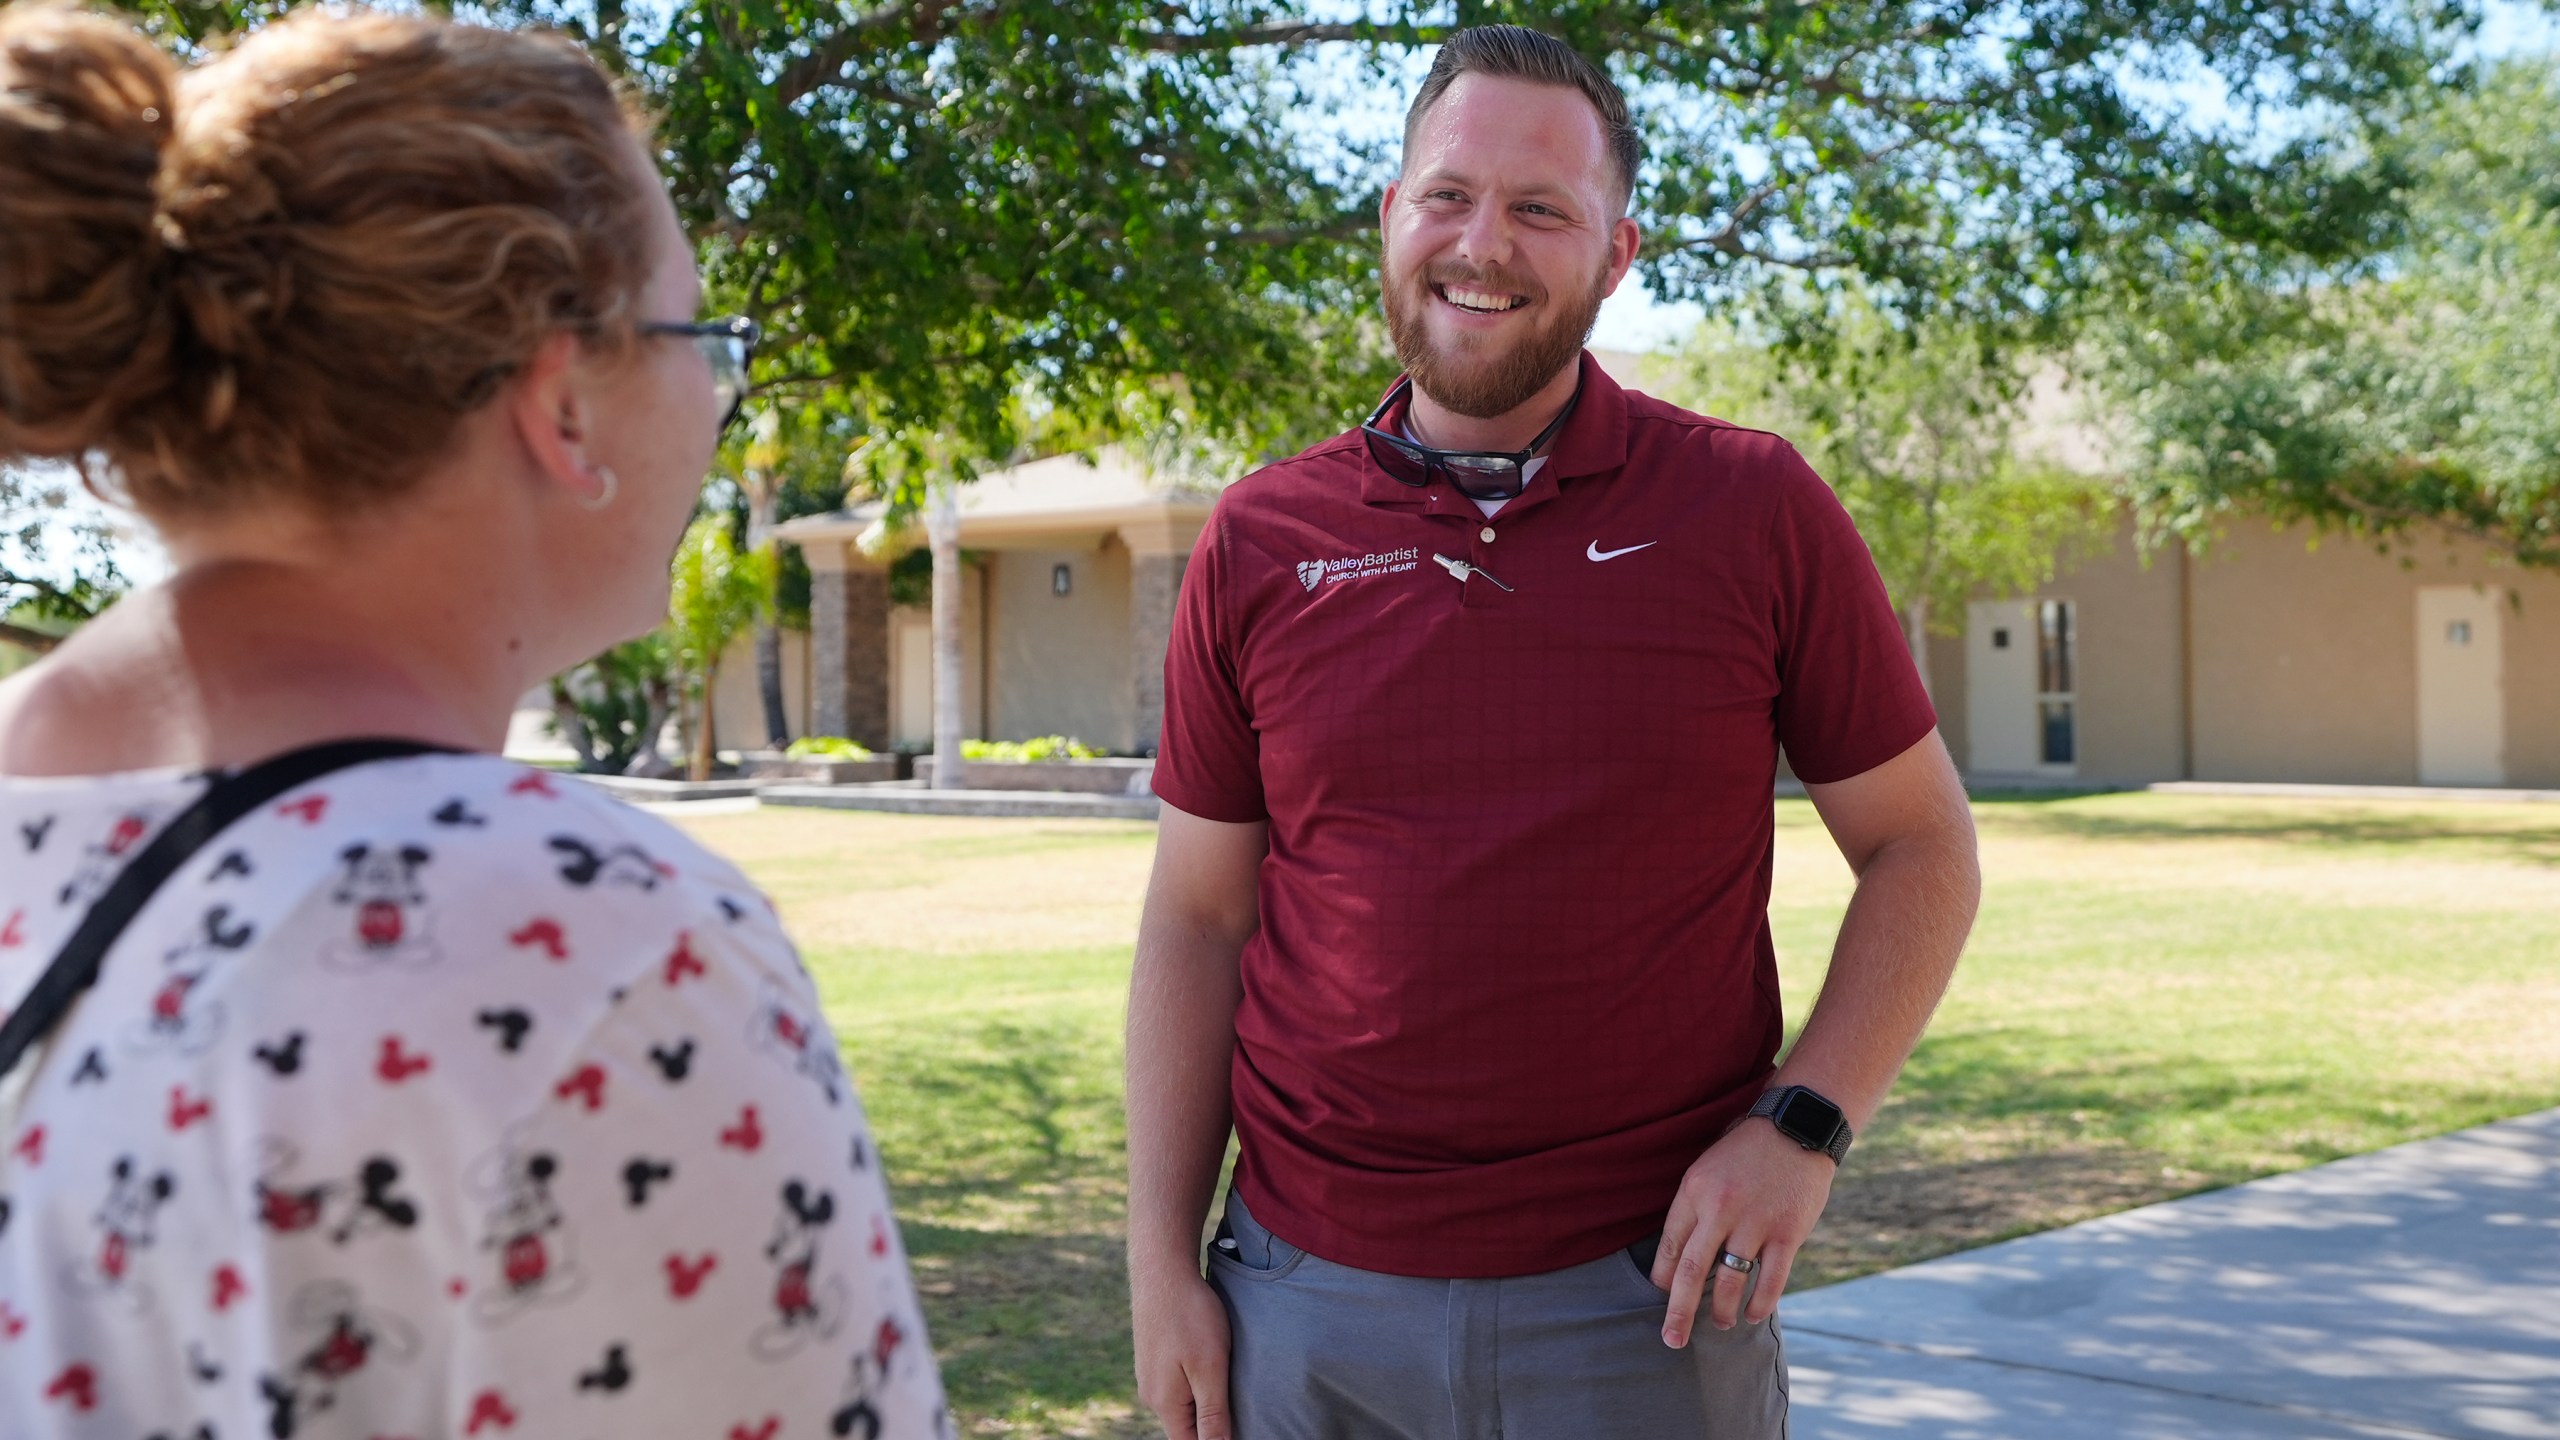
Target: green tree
column 936, row 203
column 1919, row 432
column 718, row 592
column 55, row 570
column 2417, row 393
column 611, row 709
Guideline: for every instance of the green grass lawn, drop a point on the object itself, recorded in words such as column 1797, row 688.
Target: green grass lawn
column 2164, row 994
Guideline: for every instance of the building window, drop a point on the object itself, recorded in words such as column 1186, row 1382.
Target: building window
column 2057, row 644
column 1062, row 579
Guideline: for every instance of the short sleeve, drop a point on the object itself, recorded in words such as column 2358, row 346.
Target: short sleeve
column 691, row 1234
column 1209, row 757
column 1849, row 698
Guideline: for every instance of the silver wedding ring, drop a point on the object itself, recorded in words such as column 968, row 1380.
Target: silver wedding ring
column 1736, row 1263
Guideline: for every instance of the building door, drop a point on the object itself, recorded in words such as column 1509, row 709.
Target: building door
column 2462, row 701
column 2000, row 686
column 2021, row 696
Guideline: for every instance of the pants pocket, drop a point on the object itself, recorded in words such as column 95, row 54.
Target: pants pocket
column 1639, row 1258
column 1243, row 1248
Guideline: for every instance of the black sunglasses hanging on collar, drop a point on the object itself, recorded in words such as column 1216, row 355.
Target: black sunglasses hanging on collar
column 1476, row 474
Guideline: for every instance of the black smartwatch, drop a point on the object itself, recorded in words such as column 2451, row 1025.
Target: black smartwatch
column 1807, row 1119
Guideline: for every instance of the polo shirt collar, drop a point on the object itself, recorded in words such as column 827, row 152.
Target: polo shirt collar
column 1593, row 443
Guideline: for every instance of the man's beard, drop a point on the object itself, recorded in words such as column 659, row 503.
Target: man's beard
column 1471, row 377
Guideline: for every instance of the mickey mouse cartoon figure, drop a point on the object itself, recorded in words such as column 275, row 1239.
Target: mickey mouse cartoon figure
column 180, row 1018
column 387, row 908
column 343, row 1341
column 784, row 1031
column 802, row 1307
column 370, row 1201
column 527, row 1236
column 125, row 1226
column 103, row 859
column 859, row 1415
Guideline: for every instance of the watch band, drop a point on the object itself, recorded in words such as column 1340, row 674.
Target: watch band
column 1771, row 1101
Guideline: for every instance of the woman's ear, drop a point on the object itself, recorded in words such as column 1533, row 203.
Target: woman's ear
column 554, row 420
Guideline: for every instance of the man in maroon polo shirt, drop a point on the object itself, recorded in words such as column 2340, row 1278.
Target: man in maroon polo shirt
column 1459, row 915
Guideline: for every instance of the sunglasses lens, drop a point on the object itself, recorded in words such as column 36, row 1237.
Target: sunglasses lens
column 1403, row 462
column 1483, row 477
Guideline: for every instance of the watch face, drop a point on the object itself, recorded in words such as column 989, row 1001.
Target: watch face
column 1808, row 1118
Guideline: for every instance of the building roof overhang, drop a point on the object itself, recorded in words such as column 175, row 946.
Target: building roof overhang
column 1066, row 499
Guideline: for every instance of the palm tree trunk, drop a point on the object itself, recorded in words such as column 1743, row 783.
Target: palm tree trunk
column 705, row 751
column 764, row 497
column 942, row 527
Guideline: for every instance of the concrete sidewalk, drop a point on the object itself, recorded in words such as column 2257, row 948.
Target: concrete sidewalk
column 2410, row 1293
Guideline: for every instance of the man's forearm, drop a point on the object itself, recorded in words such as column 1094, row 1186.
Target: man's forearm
column 1182, row 1027
column 1897, row 950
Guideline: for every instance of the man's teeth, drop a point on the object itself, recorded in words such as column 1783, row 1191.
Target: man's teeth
column 1484, row 300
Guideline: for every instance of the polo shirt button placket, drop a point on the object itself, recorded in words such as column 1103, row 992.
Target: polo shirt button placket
column 1482, row 592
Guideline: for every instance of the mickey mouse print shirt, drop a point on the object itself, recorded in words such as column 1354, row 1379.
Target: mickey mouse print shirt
column 440, row 1098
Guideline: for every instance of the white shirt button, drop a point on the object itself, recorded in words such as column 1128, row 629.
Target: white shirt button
column 1485, row 534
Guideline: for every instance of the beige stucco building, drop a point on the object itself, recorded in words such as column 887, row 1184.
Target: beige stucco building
column 2274, row 656
column 2277, row 655
column 1066, row 610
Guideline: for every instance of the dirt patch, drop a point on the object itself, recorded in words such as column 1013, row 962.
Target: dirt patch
column 1896, row 1212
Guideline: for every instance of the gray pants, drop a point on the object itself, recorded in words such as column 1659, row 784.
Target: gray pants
column 1327, row 1352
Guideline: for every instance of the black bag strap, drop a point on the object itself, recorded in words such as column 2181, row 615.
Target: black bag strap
column 231, row 797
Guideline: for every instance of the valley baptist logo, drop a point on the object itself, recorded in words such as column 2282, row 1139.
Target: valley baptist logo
column 1315, row 573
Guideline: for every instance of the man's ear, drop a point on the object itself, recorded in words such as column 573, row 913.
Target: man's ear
column 553, row 420
column 1387, row 205
column 1625, row 239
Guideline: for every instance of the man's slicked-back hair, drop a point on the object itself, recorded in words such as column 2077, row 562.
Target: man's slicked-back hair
column 1517, row 52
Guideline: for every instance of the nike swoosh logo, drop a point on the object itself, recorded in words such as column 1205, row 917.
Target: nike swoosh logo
column 1596, row 553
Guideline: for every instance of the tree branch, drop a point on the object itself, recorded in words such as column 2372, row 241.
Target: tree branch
column 24, row 638
column 911, row 20
column 1183, row 42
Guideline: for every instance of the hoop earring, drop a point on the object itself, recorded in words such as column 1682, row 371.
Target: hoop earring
column 612, row 487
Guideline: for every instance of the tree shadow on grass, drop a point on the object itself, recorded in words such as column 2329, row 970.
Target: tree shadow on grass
column 1005, row 1146
column 996, row 1109
column 2350, row 827
column 1030, row 1327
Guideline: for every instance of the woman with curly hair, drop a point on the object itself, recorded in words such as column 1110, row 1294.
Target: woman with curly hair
column 354, row 1080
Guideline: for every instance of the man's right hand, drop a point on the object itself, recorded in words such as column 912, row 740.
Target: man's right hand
column 1180, row 1326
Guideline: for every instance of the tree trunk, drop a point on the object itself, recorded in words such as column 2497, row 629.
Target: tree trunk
column 764, row 494
column 573, row 727
column 704, row 742
column 648, row 762
column 1915, row 632
column 942, row 527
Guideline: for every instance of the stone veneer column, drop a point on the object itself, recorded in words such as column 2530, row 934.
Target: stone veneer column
column 849, row 645
column 1158, row 551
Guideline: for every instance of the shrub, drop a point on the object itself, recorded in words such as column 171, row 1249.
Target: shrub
column 1047, row 747
column 826, row 747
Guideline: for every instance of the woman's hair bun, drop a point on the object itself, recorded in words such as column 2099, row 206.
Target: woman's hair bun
column 85, row 113
column 354, row 228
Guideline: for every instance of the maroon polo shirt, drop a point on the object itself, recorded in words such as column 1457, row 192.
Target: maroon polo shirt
column 1514, row 972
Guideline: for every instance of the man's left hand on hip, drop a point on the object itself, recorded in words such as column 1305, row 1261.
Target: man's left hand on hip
column 1755, row 1194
